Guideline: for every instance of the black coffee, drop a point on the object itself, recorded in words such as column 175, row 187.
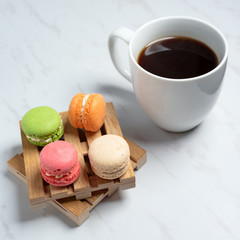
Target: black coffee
column 177, row 57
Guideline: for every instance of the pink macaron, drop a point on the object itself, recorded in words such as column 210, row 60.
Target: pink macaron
column 59, row 163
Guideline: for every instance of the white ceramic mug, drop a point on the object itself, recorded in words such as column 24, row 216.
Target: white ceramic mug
column 175, row 105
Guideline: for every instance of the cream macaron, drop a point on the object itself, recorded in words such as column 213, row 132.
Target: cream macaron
column 109, row 156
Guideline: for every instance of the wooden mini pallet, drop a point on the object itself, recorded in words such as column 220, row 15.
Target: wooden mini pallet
column 78, row 210
column 40, row 192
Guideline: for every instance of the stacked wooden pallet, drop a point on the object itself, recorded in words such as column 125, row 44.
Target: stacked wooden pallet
column 78, row 199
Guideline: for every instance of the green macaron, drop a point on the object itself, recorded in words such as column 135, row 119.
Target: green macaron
column 42, row 125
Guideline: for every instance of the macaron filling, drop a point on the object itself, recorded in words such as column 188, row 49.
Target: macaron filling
column 83, row 107
column 49, row 139
column 38, row 139
column 58, row 176
column 111, row 175
column 63, row 179
column 111, row 169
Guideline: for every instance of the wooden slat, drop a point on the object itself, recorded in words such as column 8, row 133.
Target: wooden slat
column 93, row 181
column 47, row 192
column 134, row 164
column 71, row 135
column 70, row 190
column 76, row 210
column 126, row 177
column 112, row 127
column 32, row 168
column 97, row 197
column 75, row 207
column 58, row 192
column 104, row 183
column 78, row 219
column 111, row 121
column 91, row 136
column 84, row 148
column 112, row 190
column 138, row 154
column 17, row 162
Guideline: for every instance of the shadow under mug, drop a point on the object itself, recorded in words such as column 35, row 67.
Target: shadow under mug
column 175, row 105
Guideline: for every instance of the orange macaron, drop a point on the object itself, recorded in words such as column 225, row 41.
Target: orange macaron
column 87, row 111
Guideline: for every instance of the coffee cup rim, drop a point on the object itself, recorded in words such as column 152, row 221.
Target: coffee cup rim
column 222, row 62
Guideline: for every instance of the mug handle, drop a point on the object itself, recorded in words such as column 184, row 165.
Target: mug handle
column 124, row 34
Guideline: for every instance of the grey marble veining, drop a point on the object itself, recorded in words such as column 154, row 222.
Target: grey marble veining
column 189, row 188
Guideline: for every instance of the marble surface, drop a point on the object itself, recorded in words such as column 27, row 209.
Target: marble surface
column 190, row 186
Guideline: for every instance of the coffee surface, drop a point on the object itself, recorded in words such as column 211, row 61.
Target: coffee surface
column 177, row 57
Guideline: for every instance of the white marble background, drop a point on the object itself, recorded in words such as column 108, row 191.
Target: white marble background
column 190, row 187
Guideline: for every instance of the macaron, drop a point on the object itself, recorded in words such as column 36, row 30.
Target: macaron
column 42, row 125
column 109, row 156
column 59, row 163
column 87, row 111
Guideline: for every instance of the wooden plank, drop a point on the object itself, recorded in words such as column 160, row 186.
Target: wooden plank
column 112, row 127
column 71, row 135
column 73, row 206
column 138, row 154
column 134, row 164
column 91, row 136
column 97, row 197
column 112, row 190
column 17, row 162
column 58, row 192
column 76, row 210
column 93, row 181
column 32, row 168
column 78, row 219
column 84, row 148
column 111, row 122
column 83, row 195
column 104, row 183
column 70, row 190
